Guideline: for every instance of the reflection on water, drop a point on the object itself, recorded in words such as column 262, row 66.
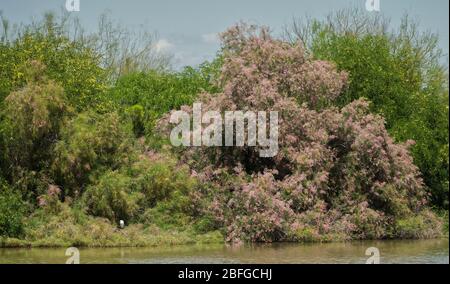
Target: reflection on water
column 426, row 251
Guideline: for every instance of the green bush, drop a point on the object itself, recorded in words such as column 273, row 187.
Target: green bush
column 112, row 197
column 428, row 127
column 12, row 212
column 425, row 225
column 33, row 115
column 90, row 143
column 157, row 93
column 136, row 114
column 71, row 63
column 159, row 180
column 154, row 185
column 402, row 75
column 307, row 235
column 31, row 121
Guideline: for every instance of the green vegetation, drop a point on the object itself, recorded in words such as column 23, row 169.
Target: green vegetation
column 12, row 212
column 401, row 73
column 146, row 96
column 82, row 142
column 70, row 63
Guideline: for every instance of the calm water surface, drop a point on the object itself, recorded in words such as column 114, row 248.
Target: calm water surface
column 426, row 251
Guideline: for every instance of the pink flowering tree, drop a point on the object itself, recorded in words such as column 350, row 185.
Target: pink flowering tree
column 337, row 175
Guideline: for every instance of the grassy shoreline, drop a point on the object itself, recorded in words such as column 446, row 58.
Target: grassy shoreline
column 64, row 230
column 119, row 240
column 17, row 243
column 164, row 239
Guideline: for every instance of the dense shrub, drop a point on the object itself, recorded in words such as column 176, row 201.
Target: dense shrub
column 340, row 165
column 158, row 178
column 166, row 188
column 12, row 212
column 32, row 118
column 89, row 144
column 148, row 95
column 401, row 73
column 422, row 226
column 136, row 114
column 112, row 197
column 50, row 201
column 153, row 189
column 259, row 212
column 70, row 63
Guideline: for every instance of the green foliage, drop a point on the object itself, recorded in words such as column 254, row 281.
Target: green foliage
column 136, row 113
column 307, row 235
column 205, row 224
column 6, row 71
column 209, row 72
column 70, row 63
column 112, row 197
column 373, row 72
column 73, row 161
column 73, row 227
column 33, row 115
column 157, row 93
column 153, row 183
column 12, row 212
column 422, row 226
column 428, row 127
column 166, row 190
column 90, row 143
column 401, row 75
column 32, row 118
column 160, row 180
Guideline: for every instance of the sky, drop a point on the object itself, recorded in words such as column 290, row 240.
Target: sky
column 187, row 29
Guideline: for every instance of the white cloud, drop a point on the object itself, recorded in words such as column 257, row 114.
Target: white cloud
column 211, row 38
column 163, row 45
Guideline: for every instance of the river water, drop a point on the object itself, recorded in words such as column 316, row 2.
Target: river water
column 424, row 251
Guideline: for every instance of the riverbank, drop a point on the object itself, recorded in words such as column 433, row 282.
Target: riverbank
column 132, row 236
column 119, row 239
column 101, row 234
column 72, row 227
